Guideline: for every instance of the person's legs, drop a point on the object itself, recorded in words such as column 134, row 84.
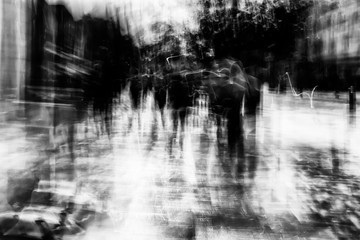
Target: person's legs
column 182, row 116
column 174, row 115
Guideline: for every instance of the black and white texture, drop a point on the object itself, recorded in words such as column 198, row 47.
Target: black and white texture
column 181, row 119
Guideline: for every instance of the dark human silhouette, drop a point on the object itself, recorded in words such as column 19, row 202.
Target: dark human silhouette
column 179, row 101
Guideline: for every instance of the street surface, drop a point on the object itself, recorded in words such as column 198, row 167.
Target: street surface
column 149, row 192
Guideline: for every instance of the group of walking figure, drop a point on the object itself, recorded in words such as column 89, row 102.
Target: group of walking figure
column 231, row 93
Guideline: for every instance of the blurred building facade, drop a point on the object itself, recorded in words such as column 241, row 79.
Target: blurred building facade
column 338, row 28
column 334, row 41
column 13, row 55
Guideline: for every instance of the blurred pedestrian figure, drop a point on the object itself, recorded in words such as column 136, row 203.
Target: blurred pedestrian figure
column 352, row 99
column 160, row 95
column 335, row 79
column 179, row 100
column 251, row 111
column 335, row 160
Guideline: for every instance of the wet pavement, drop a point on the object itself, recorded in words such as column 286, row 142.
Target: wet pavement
column 297, row 157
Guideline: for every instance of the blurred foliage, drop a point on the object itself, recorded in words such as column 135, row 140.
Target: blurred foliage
column 250, row 31
column 168, row 44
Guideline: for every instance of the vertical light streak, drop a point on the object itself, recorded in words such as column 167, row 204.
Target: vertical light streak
column 1, row 39
column 19, row 47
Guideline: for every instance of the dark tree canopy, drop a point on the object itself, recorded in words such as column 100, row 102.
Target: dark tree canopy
column 248, row 33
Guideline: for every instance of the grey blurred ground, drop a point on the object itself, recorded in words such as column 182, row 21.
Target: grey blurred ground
column 152, row 195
